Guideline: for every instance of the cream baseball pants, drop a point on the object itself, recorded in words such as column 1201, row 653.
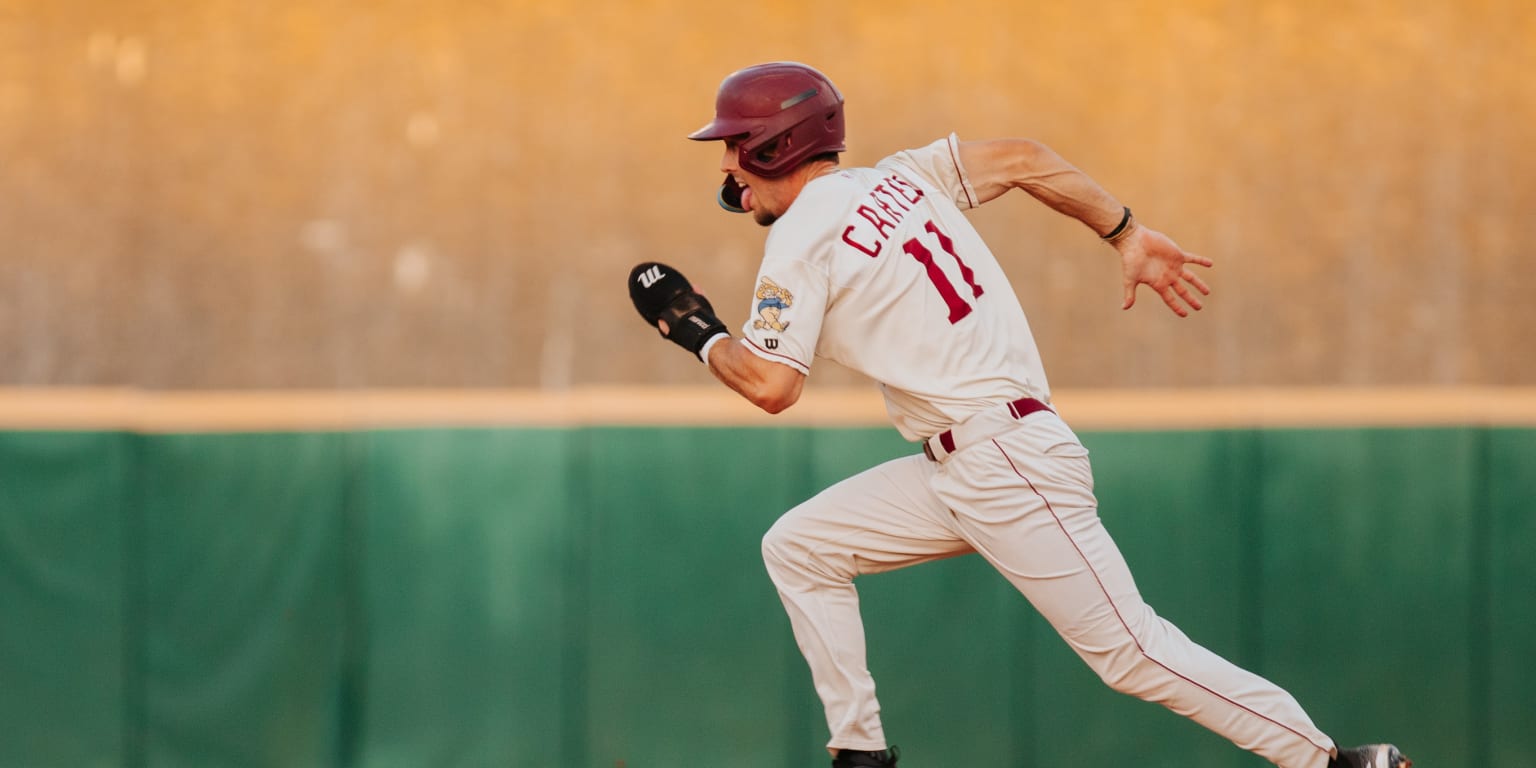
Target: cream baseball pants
column 1020, row 493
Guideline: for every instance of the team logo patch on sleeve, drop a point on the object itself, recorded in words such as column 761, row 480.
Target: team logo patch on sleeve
column 772, row 300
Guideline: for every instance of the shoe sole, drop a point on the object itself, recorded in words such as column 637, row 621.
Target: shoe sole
column 1384, row 755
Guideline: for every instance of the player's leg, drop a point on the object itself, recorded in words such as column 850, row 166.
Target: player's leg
column 881, row 519
column 1045, row 535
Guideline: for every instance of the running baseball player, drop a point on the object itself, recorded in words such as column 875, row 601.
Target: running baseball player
column 879, row 269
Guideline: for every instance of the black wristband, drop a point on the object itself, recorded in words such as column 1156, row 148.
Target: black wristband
column 1125, row 221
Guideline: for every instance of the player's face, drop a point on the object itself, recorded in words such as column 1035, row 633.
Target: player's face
column 763, row 198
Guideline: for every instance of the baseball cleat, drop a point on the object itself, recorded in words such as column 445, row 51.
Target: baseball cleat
column 853, row 758
column 1373, row 756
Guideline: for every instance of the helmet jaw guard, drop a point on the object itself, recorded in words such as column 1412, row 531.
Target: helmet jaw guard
column 784, row 113
column 729, row 196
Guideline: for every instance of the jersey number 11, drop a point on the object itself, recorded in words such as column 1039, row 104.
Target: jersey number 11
column 958, row 308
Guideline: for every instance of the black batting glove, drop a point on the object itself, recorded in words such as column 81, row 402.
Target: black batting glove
column 662, row 293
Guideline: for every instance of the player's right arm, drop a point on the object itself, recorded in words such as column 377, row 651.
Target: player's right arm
column 999, row 165
column 1148, row 257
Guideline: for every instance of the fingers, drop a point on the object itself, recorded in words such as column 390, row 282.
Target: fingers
column 1194, row 279
column 1177, row 295
column 1190, row 258
column 1171, row 298
column 1172, row 282
column 1189, row 298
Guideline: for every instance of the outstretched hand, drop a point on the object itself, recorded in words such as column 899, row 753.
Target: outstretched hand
column 1149, row 258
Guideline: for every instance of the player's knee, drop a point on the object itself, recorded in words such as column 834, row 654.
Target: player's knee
column 779, row 547
column 793, row 561
column 1133, row 673
column 1126, row 678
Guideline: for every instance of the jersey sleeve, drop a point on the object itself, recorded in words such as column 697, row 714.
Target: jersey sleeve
column 939, row 165
column 788, row 303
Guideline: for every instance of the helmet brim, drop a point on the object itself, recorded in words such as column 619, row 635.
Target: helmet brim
column 718, row 129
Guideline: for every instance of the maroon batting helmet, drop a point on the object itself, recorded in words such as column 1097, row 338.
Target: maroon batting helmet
column 784, row 112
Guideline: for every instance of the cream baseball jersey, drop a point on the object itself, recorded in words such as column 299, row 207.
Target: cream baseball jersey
column 879, row 270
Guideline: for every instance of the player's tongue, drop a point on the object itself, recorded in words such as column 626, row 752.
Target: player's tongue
column 746, row 199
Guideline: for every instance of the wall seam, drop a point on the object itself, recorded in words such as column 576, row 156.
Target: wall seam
column 1480, row 608
column 133, row 595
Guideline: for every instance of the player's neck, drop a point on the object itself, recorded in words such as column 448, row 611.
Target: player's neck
column 817, row 169
column 808, row 173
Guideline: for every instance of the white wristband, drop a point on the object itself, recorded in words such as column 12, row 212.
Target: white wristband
column 713, row 340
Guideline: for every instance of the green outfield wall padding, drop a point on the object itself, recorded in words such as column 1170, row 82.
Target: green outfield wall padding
column 63, row 618
column 1504, row 624
column 242, row 550
column 1367, row 578
column 466, row 540
column 684, row 634
column 594, row 597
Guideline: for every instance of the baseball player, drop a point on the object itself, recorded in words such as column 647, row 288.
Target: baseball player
column 878, row 269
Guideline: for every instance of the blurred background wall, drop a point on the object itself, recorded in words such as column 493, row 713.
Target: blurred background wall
column 226, row 194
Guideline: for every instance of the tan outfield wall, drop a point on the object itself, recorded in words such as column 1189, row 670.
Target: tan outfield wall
column 320, row 195
column 229, row 411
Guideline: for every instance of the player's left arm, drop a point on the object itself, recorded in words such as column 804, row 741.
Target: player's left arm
column 1147, row 257
column 768, row 385
column 668, row 302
